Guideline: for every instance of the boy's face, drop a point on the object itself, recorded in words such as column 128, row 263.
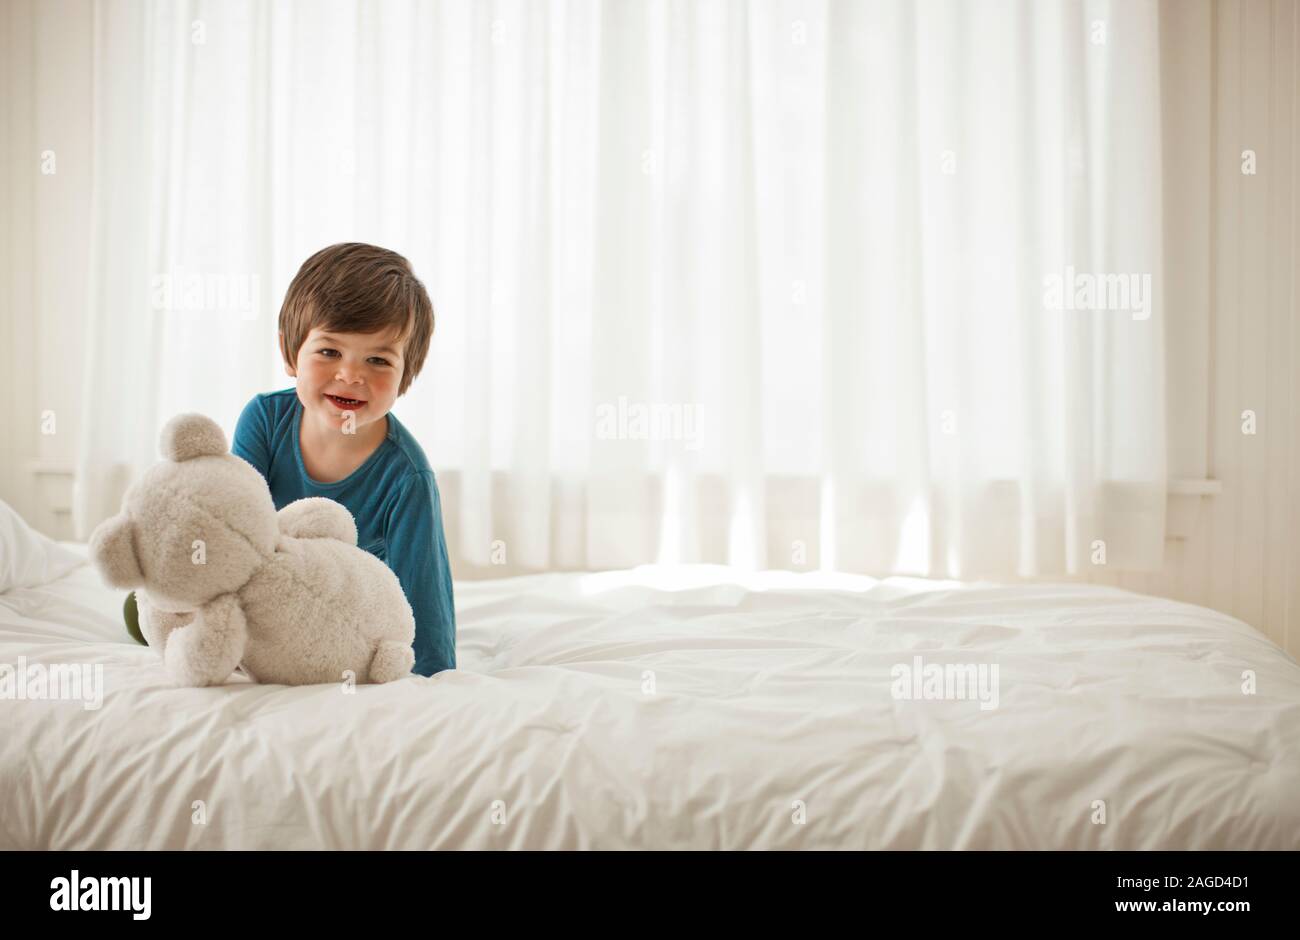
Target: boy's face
column 364, row 367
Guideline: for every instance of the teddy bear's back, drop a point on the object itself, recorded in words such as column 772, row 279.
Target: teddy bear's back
column 317, row 609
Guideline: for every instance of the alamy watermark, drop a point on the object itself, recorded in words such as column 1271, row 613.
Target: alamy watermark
column 649, row 421
column 75, row 682
column 1125, row 293
column 199, row 292
column 76, row 893
column 946, row 681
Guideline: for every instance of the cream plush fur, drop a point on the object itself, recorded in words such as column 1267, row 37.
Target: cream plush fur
column 223, row 580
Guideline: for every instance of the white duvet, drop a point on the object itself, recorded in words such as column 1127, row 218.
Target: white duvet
column 680, row 708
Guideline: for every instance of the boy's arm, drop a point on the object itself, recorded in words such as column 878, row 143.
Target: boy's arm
column 417, row 554
column 252, row 437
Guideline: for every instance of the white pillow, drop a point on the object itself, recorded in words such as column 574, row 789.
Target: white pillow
column 29, row 558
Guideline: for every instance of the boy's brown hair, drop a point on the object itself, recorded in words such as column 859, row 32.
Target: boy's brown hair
column 357, row 288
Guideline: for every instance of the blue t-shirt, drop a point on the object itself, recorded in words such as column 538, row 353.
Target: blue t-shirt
column 394, row 499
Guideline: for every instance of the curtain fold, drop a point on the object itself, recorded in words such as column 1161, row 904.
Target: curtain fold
column 781, row 283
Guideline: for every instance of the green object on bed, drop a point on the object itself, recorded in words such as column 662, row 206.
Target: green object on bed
column 132, row 615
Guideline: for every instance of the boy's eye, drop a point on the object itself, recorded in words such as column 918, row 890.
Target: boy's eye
column 330, row 353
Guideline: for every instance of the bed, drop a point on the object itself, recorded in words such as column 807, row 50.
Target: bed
column 689, row 707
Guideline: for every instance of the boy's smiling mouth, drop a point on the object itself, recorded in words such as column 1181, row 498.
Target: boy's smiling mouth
column 347, row 404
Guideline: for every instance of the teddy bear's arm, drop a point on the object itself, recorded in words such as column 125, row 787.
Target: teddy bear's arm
column 206, row 651
column 155, row 624
column 318, row 518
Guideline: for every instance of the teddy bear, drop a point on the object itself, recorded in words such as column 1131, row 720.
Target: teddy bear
column 224, row 581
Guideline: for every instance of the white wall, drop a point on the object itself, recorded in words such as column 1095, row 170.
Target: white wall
column 45, row 105
column 1231, row 263
column 1230, row 72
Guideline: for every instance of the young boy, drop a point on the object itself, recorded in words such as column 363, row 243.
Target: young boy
column 354, row 330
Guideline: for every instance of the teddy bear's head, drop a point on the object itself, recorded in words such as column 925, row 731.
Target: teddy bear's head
column 196, row 525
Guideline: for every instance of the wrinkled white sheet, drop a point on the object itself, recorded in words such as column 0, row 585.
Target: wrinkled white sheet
column 679, row 707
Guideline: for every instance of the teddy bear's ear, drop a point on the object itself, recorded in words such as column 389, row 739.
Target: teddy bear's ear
column 112, row 549
column 191, row 435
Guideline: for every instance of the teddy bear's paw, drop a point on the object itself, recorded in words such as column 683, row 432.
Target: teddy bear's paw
column 207, row 651
column 391, row 661
column 157, row 625
column 184, row 659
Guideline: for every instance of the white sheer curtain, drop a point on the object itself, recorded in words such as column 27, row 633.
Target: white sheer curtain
column 764, row 283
